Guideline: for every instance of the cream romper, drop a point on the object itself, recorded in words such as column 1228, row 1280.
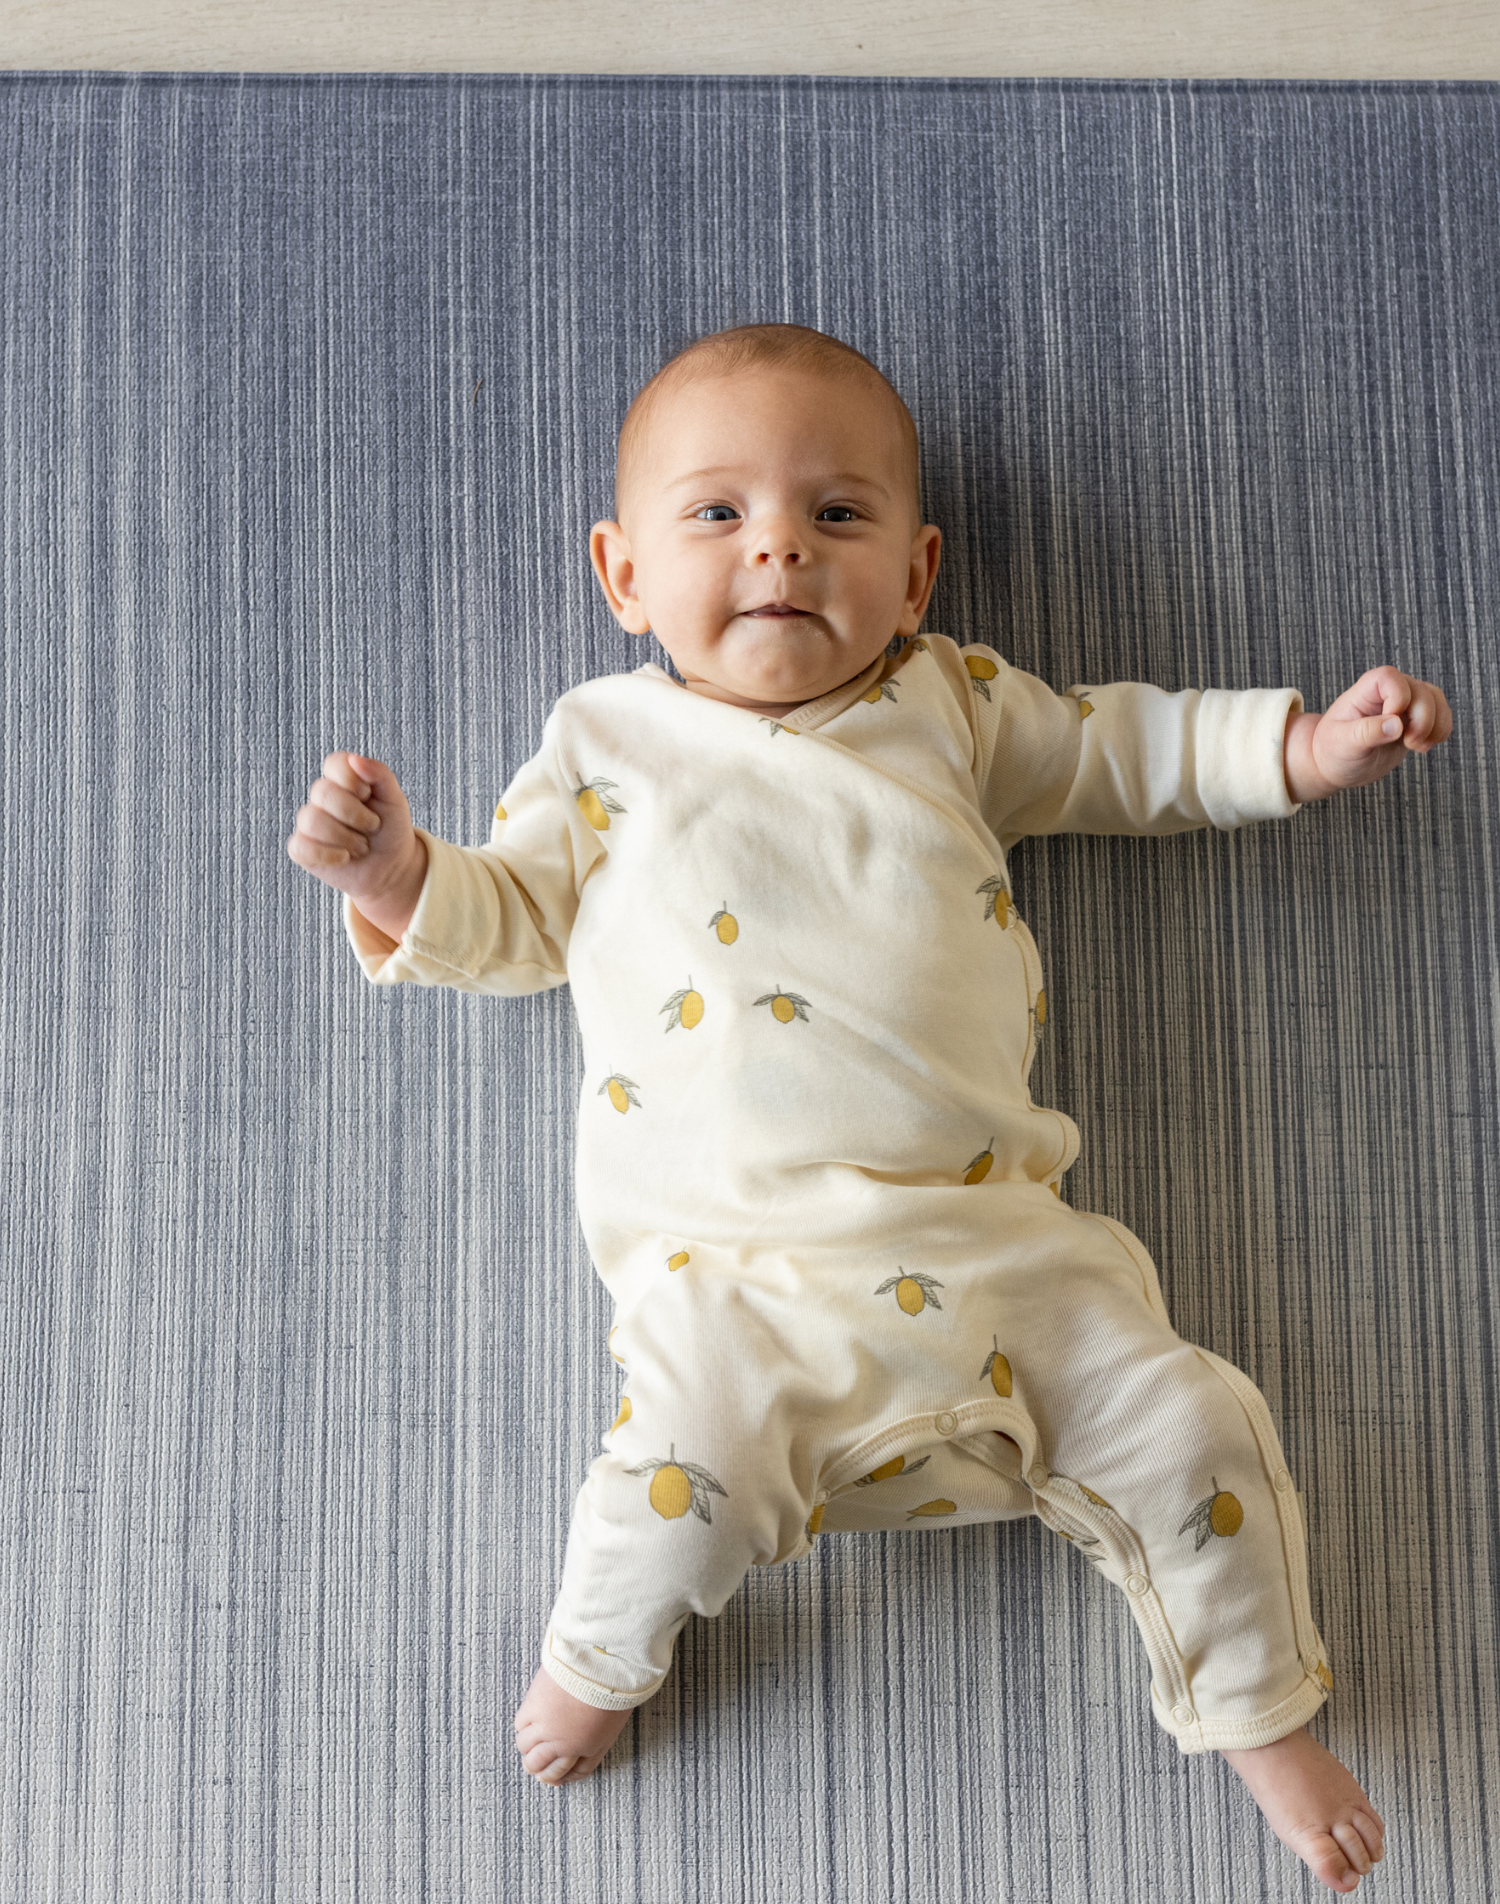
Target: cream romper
column 848, row 1294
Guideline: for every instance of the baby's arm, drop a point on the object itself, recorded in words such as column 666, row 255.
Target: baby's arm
column 1368, row 730
column 492, row 918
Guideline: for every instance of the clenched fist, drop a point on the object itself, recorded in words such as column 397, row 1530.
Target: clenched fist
column 356, row 835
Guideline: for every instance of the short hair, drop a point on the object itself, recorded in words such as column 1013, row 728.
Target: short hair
column 720, row 353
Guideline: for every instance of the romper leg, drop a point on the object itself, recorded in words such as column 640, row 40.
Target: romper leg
column 1166, row 1470
column 702, row 1479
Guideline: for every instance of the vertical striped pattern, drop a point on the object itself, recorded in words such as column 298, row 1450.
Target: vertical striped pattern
column 310, row 387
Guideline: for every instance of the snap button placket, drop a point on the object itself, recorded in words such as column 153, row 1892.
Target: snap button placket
column 946, row 1422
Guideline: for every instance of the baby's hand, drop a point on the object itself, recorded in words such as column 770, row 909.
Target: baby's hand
column 355, row 833
column 1369, row 730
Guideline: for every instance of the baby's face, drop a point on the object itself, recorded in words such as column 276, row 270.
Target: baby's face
column 763, row 490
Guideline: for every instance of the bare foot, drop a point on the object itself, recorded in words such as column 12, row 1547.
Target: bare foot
column 1315, row 1808
column 559, row 1737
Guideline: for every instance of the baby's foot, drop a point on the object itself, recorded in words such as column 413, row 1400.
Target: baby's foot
column 1315, row 1808
column 559, row 1737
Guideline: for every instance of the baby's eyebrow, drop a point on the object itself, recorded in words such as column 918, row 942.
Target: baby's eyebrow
column 848, row 477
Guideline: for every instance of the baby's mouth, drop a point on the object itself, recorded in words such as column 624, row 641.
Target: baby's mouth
column 780, row 610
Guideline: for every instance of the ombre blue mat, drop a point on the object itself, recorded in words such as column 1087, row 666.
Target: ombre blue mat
column 310, row 390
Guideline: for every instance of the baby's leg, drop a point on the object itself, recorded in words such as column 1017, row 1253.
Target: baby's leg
column 1177, row 1489
column 696, row 1486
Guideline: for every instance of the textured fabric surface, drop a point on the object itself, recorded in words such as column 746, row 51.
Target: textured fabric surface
column 310, row 388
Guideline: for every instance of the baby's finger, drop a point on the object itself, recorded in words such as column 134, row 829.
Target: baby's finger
column 310, row 854
column 1377, row 731
column 347, row 807
column 340, row 769
column 317, row 824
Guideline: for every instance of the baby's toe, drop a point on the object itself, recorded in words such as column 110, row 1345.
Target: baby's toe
column 1354, row 1848
column 547, row 1761
column 1323, row 1853
column 1372, row 1831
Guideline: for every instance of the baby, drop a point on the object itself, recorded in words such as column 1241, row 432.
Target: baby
column 848, row 1292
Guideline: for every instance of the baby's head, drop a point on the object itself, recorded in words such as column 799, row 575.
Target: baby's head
column 767, row 464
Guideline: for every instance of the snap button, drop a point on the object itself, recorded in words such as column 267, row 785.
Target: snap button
column 1136, row 1583
column 946, row 1423
column 1283, row 1480
column 1038, row 1476
column 1183, row 1714
column 1310, row 1664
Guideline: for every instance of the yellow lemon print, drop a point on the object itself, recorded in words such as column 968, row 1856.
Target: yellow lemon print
column 913, row 1293
column 1039, row 1010
column 610, row 1338
column 499, row 811
column 888, row 1470
column 1323, row 1676
column 939, row 1506
column 981, row 671
column 726, row 925
column 679, row 1485
column 1217, row 1513
column 1055, row 1191
column 685, row 1006
column 998, row 902
column 677, row 1261
column 997, row 1368
column 777, row 727
column 785, row 1005
column 978, row 1168
column 596, row 805
column 880, row 688
column 1097, row 1499
column 920, row 642
column 815, row 1521
column 623, row 1416
column 1085, row 708
column 622, row 1091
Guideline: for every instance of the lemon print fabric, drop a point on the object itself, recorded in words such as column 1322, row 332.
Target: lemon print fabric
column 1085, row 706
column 777, row 727
column 685, row 1006
column 785, row 1005
column 997, row 901
column 677, row 1486
column 678, row 1260
column 913, row 1292
column 981, row 672
column 881, row 689
column 978, row 1167
column 1217, row 1513
column 596, row 804
column 622, row 1092
column 939, row 1506
column 726, row 925
column 623, row 1416
column 499, row 811
column 888, row 1470
column 997, row 1369
column 1039, row 1012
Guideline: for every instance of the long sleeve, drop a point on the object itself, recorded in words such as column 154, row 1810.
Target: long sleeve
column 498, row 917
column 1126, row 757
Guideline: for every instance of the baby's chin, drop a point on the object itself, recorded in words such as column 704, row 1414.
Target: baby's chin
column 795, row 663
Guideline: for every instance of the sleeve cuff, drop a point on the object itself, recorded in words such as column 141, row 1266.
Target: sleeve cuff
column 1241, row 754
column 437, row 941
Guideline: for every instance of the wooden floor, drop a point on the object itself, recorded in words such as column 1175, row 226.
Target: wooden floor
column 1274, row 39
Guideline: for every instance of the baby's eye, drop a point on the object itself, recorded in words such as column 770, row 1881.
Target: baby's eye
column 705, row 514
column 843, row 508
